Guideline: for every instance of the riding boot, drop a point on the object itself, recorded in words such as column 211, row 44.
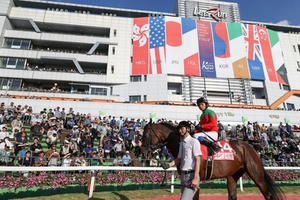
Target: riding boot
column 210, row 145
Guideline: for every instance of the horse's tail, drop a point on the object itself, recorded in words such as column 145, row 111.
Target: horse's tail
column 275, row 191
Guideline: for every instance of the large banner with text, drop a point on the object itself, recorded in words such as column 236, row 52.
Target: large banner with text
column 174, row 45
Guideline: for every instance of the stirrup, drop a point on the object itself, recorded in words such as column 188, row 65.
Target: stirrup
column 215, row 149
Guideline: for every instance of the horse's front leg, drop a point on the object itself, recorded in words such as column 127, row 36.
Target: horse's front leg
column 231, row 188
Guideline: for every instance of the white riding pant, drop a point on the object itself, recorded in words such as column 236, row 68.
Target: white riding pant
column 212, row 134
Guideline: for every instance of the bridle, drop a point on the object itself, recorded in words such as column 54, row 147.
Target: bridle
column 152, row 147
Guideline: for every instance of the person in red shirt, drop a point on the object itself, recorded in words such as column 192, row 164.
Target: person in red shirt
column 207, row 130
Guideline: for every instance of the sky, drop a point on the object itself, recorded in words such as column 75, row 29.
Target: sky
column 285, row 12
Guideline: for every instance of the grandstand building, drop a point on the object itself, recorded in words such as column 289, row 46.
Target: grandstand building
column 92, row 51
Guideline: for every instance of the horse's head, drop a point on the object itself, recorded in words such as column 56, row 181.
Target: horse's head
column 146, row 148
column 157, row 135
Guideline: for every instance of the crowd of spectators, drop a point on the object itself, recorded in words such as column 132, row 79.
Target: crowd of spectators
column 277, row 146
column 60, row 137
column 56, row 137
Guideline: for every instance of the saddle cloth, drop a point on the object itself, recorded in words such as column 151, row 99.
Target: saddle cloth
column 226, row 153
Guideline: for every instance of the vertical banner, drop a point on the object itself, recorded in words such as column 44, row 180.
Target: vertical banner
column 152, row 116
column 223, row 62
column 267, row 53
column 190, row 47
column 278, row 58
column 245, row 120
column 174, row 57
column 102, row 114
column 238, row 58
column 157, row 45
column 253, row 49
column 287, row 121
column 206, row 49
column 140, row 46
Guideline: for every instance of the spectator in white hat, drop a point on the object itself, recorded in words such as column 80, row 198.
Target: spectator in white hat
column 126, row 159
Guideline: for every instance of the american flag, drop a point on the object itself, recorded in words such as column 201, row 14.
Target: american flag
column 157, row 44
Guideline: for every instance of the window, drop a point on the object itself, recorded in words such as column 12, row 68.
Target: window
column 145, row 78
column 113, row 50
column 16, row 44
column 7, row 43
column 290, row 106
column 286, row 87
column 3, row 62
column 16, row 84
column 112, row 69
column 135, row 79
column 294, row 47
column 145, row 98
column 115, row 33
column 298, row 64
column 5, row 84
column 20, row 64
column 99, row 91
column 25, row 44
column 10, row 84
column 135, row 98
column 11, row 63
column 298, row 47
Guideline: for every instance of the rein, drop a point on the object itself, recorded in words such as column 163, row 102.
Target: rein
column 151, row 148
column 159, row 145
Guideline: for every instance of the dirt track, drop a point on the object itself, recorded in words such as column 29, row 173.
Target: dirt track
column 212, row 197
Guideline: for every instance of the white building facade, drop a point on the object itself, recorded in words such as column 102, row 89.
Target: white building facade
column 64, row 50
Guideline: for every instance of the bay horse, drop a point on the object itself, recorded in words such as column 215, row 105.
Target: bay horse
column 246, row 160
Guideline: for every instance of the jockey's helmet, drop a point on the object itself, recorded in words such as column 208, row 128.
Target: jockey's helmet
column 202, row 100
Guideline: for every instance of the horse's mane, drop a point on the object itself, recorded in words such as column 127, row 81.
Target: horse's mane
column 168, row 125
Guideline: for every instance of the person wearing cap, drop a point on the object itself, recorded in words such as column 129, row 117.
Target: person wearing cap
column 292, row 160
column 5, row 156
column 2, row 143
column 3, row 133
column 120, row 123
column 40, row 160
column 74, row 147
column 189, row 161
column 126, row 159
column 24, row 150
column 53, row 156
column 118, row 147
column 27, row 160
column 20, row 140
column 108, row 149
column 34, row 120
column 207, row 130
column 65, row 148
column 36, row 147
column 52, row 139
column 2, row 111
column 37, row 130
column 16, row 124
column 113, row 121
column 89, row 150
column 66, row 161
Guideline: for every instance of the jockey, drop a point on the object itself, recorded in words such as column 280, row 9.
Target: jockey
column 207, row 130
